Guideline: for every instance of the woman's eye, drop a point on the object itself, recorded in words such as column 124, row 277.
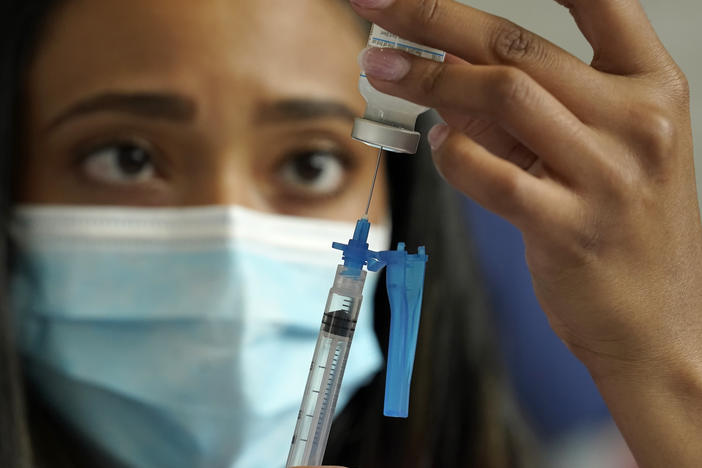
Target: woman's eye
column 314, row 173
column 120, row 163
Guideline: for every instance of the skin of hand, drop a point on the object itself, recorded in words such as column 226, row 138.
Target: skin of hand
column 594, row 164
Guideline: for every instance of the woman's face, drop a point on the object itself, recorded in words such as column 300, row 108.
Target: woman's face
column 181, row 102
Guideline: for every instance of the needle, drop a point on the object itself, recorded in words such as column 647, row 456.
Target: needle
column 375, row 176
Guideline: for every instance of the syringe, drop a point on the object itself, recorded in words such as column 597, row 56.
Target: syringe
column 327, row 368
column 405, row 280
column 333, row 345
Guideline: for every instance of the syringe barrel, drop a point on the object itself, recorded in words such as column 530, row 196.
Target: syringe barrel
column 344, row 301
column 327, row 369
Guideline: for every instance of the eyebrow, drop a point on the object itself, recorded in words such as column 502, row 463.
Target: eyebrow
column 165, row 106
column 306, row 109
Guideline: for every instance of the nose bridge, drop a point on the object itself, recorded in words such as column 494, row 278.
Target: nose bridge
column 229, row 179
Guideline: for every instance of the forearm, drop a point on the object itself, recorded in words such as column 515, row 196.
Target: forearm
column 659, row 412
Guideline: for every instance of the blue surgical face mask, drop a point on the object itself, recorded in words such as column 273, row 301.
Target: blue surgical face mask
column 180, row 337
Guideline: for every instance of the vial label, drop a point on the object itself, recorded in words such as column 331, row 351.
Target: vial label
column 379, row 37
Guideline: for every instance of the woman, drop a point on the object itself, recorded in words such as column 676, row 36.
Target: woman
column 202, row 103
column 598, row 176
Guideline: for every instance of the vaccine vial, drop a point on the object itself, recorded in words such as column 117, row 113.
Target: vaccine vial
column 389, row 121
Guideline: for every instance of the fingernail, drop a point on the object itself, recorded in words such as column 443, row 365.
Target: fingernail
column 383, row 64
column 437, row 135
column 372, row 3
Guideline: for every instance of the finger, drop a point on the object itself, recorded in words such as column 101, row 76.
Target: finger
column 579, row 97
column 482, row 38
column 492, row 137
column 492, row 182
column 621, row 35
column 502, row 94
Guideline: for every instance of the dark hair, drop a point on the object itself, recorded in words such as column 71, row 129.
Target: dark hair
column 19, row 23
column 461, row 411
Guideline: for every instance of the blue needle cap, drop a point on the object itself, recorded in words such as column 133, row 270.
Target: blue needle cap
column 405, row 286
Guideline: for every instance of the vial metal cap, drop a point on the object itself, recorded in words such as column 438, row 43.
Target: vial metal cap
column 376, row 134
